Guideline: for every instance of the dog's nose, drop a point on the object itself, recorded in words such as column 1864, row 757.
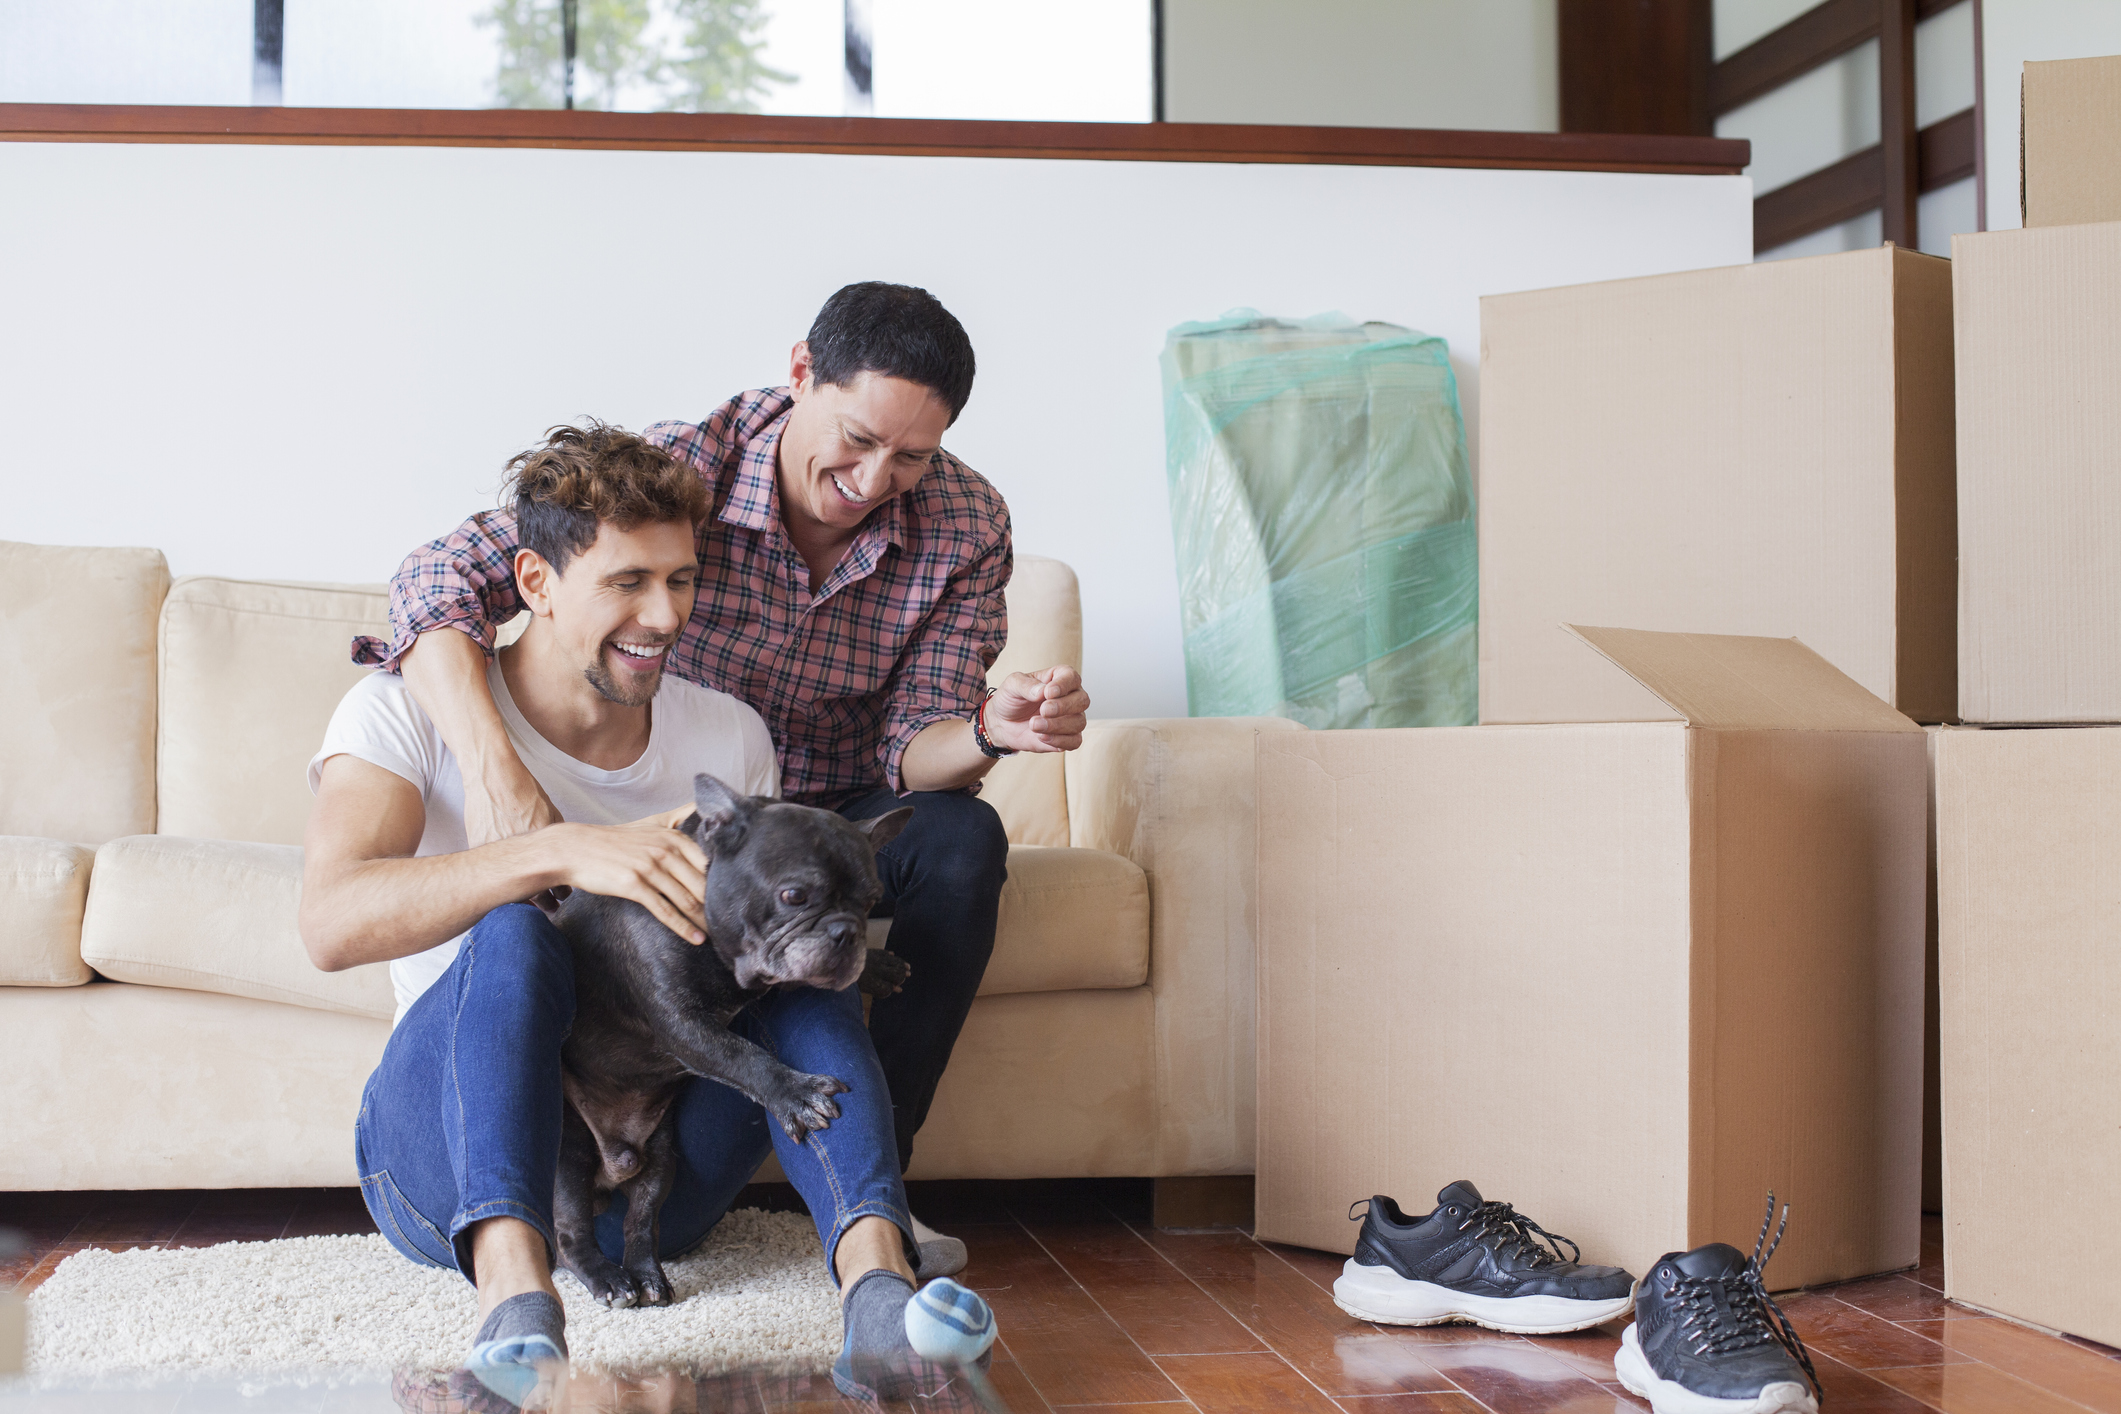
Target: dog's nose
column 843, row 931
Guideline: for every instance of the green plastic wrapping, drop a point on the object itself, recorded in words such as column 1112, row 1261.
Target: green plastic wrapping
column 1323, row 514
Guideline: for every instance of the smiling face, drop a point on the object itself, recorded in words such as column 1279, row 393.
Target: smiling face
column 848, row 448
column 615, row 612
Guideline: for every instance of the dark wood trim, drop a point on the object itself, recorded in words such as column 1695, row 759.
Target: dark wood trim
column 1826, row 198
column 1856, row 184
column 743, row 132
column 1635, row 66
column 1899, row 140
column 1823, row 33
column 1949, row 150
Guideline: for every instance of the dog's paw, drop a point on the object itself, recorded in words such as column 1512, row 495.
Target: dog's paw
column 606, row 1281
column 884, row 973
column 808, row 1106
column 653, row 1286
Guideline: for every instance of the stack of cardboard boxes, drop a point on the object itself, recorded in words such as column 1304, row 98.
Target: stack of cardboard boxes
column 2028, row 793
column 1650, row 941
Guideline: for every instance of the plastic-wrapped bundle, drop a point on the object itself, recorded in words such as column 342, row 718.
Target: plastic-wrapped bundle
column 1323, row 514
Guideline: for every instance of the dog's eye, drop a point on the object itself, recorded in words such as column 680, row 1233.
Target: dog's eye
column 794, row 898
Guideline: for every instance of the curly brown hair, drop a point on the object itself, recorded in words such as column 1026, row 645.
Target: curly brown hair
column 583, row 477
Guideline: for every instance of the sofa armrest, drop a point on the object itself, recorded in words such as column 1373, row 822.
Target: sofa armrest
column 43, row 891
column 1175, row 795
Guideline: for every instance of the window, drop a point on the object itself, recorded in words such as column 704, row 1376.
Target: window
column 1085, row 60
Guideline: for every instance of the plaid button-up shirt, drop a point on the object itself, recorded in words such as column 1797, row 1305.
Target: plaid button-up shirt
column 898, row 637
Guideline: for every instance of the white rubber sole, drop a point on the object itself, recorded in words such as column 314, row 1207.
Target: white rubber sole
column 1671, row 1397
column 1382, row 1295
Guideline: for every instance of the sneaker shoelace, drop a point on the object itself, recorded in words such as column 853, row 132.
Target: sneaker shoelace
column 1508, row 1231
column 1724, row 1315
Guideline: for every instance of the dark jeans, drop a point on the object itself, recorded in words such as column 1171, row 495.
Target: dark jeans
column 942, row 887
column 461, row 1121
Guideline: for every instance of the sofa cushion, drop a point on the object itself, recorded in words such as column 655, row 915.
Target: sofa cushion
column 215, row 916
column 77, row 635
column 1071, row 919
column 1045, row 628
column 251, row 671
column 43, row 888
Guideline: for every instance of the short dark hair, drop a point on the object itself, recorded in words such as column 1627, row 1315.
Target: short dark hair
column 584, row 476
column 895, row 330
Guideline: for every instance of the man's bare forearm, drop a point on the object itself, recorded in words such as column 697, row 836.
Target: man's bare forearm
column 943, row 756
column 445, row 671
column 377, row 910
column 1036, row 712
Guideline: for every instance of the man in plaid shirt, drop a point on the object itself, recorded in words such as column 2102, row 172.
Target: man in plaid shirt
column 851, row 592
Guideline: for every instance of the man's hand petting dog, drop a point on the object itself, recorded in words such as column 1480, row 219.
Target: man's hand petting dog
column 786, row 892
column 650, row 862
column 1043, row 711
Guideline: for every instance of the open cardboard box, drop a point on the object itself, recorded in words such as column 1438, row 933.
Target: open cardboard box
column 1629, row 976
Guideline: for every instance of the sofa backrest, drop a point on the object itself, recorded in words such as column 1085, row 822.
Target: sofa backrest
column 251, row 671
column 77, row 690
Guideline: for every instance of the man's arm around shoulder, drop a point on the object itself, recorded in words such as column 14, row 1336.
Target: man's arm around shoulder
column 366, row 898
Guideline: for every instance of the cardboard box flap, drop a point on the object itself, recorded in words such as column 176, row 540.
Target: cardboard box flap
column 1729, row 681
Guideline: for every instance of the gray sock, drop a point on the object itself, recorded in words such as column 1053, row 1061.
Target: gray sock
column 874, row 1316
column 533, row 1314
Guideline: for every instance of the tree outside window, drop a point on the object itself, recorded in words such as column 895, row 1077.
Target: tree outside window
column 690, row 56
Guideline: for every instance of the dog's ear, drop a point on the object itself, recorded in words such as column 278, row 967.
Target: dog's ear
column 884, row 828
column 723, row 814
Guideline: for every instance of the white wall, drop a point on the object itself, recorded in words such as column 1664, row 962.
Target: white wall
column 1832, row 112
column 2012, row 32
column 1487, row 64
column 299, row 362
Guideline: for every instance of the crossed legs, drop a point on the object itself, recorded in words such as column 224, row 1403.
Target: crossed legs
column 459, row 1133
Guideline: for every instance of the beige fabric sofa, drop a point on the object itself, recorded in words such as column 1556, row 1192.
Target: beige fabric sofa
column 160, row 1026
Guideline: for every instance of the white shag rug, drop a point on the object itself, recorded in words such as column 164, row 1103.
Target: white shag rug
column 755, row 1294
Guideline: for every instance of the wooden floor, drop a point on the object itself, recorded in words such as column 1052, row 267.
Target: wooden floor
column 1097, row 1308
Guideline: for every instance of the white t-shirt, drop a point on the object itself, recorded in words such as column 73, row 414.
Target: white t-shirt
column 691, row 729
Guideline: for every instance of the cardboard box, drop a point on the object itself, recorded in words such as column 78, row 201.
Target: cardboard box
column 2029, row 907
column 1763, row 449
column 2039, row 356
column 2070, row 142
column 1628, row 976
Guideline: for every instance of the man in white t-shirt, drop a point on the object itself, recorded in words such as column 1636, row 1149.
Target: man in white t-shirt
column 459, row 1131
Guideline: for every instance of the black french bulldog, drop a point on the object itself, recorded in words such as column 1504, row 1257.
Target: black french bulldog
column 789, row 889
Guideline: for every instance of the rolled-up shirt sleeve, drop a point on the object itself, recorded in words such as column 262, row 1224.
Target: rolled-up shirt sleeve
column 942, row 674
column 465, row 581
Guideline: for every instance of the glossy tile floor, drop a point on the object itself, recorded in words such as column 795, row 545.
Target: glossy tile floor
column 1098, row 1309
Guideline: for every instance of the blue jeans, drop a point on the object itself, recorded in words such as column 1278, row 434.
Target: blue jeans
column 942, row 882
column 461, row 1121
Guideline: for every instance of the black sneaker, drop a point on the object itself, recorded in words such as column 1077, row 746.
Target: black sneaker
column 1707, row 1339
column 1477, row 1262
